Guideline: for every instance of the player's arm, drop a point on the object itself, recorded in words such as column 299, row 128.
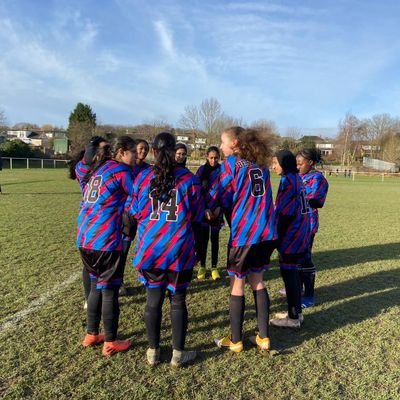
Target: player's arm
column 319, row 190
column 284, row 212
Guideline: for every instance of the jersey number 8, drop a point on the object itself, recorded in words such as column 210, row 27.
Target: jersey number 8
column 93, row 189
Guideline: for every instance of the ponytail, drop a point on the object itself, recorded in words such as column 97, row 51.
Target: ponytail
column 163, row 181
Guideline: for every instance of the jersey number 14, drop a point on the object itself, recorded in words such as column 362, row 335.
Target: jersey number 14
column 170, row 208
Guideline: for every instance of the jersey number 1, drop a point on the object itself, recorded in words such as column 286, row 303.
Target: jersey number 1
column 305, row 208
column 171, row 208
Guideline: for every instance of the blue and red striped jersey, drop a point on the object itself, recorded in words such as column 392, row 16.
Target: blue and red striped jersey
column 165, row 238
column 139, row 168
column 244, row 191
column 211, row 202
column 316, row 187
column 100, row 217
column 81, row 169
column 293, row 220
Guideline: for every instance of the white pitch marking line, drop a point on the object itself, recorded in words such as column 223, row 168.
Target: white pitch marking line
column 12, row 321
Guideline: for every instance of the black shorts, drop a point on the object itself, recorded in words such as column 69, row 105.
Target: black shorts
column 244, row 260
column 165, row 278
column 105, row 266
column 291, row 261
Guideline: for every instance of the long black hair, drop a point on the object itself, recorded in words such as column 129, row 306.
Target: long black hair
column 287, row 161
column 124, row 143
column 163, row 181
column 72, row 164
column 95, row 155
column 205, row 175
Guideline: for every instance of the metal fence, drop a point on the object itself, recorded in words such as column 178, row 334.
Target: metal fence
column 16, row 162
column 379, row 165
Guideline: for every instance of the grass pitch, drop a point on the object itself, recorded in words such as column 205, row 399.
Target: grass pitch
column 348, row 347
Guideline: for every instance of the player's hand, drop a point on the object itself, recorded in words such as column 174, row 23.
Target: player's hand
column 209, row 215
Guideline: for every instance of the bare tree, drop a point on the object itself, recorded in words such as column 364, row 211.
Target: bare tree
column 3, row 120
column 349, row 139
column 293, row 132
column 378, row 127
column 210, row 113
column 25, row 125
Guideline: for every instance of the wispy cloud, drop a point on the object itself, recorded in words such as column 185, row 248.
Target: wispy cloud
column 166, row 38
column 301, row 65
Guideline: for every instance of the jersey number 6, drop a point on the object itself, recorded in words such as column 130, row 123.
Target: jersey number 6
column 257, row 183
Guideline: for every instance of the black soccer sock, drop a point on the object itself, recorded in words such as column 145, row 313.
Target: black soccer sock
column 308, row 280
column 179, row 319
column 153, row 315
column 86, row 282
column 291, row 278
column 205, row 236
column 214, row 247
column 262, row 310
column 110, row 313
column 236, row 314
column 94, row 308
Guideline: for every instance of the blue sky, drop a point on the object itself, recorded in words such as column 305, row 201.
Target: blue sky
column 301, row 64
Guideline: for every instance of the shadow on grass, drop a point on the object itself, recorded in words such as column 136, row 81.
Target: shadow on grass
column 331, row 259
column 368, row 296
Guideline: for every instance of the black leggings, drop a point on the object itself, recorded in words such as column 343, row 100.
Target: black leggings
column 153, row 316
column 86, row 282
column 103, row 303
column 307, row 272
column 291, row 278
column 205, row 237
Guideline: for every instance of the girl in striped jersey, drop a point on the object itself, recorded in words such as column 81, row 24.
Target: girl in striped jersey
column 129, row 226
column 208, row 174
column 78, row 169
column 99, row 239
column 166, row 203
column 293, row 234
column 316, row 189
column 244, row 190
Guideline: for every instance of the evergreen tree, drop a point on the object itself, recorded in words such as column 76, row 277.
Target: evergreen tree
column 82, row 125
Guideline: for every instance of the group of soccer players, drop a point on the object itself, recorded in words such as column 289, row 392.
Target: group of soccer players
column 171, row 212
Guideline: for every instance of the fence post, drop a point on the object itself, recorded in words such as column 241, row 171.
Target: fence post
column 54, row 163
column 42, row 163
column 10, row 162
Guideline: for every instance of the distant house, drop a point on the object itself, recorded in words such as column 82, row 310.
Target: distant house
column 183, row 139
column 55, row 134
column 325, row 146
column 200, row 143
column 3, row 137
column 61, row 145
column 26, row 135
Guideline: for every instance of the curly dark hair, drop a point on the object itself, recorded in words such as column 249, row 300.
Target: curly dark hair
column 251, row 145
column 164, row 164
